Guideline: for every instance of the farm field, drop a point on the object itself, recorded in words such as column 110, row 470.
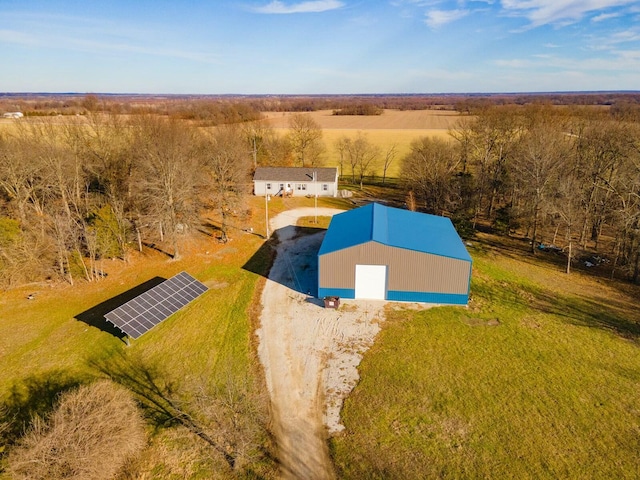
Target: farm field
column 390, row 119
column 538, row 378
column 393, row 127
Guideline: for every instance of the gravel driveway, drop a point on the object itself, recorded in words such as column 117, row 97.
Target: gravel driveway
column 310, row 354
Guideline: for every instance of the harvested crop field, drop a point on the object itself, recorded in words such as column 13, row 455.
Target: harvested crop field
column 393, row 127
column 390, row 119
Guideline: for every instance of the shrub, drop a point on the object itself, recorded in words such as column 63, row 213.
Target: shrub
column 92, row 432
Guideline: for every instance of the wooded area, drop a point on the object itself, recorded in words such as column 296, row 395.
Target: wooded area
column 572, row 173
column 78, row 192
column 88, row 187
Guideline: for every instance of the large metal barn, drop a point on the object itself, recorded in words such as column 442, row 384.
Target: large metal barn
column 384, row 253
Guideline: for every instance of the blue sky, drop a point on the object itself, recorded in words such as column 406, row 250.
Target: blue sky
column 318, row 46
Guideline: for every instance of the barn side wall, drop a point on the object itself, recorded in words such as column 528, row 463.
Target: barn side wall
column 412, row 276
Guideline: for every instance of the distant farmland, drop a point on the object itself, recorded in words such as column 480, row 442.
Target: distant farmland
column 392, row 127
column 390, row 120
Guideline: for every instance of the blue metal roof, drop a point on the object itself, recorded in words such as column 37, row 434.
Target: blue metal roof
column 394, row 227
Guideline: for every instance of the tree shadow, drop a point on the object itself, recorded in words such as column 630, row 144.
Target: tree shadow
column 167, row 402
column 154, row 246
column 32, row 397
column 619, row 317
column 95, row 316
column 519, row 248
column 593, row 312
column 290, row 259
column 151, row 386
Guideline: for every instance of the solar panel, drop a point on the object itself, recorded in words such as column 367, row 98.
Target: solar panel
column 148, row 309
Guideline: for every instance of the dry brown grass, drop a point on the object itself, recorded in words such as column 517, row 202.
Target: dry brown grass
column 90, row 435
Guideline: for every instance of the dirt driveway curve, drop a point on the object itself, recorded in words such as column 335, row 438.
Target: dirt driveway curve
column 310, row 354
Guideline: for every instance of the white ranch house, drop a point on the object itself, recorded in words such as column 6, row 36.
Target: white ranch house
column 296, row 181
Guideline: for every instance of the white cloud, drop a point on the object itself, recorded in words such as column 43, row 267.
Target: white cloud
column 604, row 16
column 416, row 3
column 437, row 18
column 313, row 6
column 614, row 40
column 617, row 62
column 542, row 12
column 632, row 35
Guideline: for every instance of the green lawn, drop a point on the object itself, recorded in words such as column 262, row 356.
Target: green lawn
column 45, row 349
column 539, row 378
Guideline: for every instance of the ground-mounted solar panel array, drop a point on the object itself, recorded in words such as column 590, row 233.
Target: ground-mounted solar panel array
column 147, row 310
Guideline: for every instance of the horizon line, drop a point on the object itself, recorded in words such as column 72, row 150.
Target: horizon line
column 381, row 94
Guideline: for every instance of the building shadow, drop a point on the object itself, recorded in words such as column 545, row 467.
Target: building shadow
column 95, row 316
column 290, row 258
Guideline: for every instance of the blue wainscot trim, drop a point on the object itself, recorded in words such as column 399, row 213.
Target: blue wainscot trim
column 425, row 297
column 336, row 292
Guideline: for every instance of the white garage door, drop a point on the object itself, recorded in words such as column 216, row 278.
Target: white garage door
column 371, row 281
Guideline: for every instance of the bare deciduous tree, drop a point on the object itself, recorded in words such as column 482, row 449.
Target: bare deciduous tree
column 602, row 147
column 366, row 155
column 108, row 158
column 542, row 149
column 429, row 171
column 227, row 163
column 167, row 177
column 266, row 146
column 488, row 141
column 342, row 146
column 221, row 408
column 389, row 157
column 306, row 139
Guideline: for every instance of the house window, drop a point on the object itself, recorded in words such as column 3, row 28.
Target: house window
column 301, row 186
column 325, row 187
column 268, row 186
column 282, row 186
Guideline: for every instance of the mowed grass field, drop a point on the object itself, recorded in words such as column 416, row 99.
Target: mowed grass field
column 46, row 347
column 393, row 127
column 538, row 379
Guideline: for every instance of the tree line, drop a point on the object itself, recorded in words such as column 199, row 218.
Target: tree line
column 560, row 175
column 219, row 109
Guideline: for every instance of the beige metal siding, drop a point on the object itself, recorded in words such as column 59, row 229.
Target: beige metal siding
column 408, row 271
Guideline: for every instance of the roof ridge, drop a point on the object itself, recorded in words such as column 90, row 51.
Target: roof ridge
column 379, row 223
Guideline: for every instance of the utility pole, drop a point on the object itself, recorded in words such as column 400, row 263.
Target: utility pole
column 255, row 153
column 266, row 211
column 315, row 188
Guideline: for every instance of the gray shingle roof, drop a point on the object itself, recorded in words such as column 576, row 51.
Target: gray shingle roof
column 295, row 174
